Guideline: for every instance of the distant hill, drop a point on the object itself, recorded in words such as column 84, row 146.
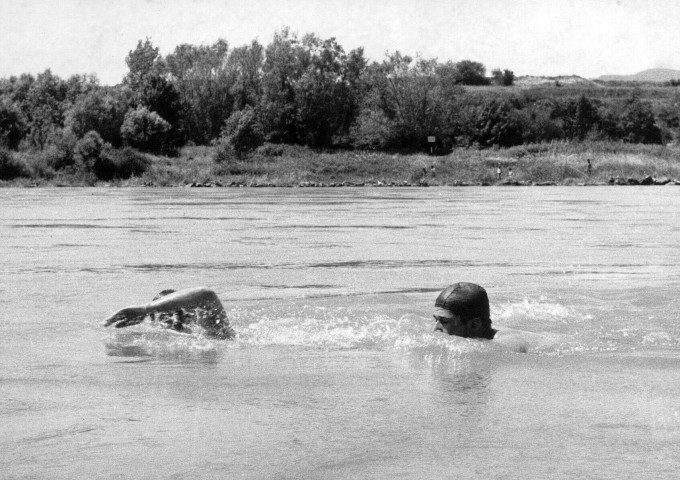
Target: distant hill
column 651, row 75
column 536, row 81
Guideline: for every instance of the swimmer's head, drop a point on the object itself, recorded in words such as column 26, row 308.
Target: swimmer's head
column 462, row 309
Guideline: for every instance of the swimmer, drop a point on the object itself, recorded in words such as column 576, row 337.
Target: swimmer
column 462, row 309
column 178, row 311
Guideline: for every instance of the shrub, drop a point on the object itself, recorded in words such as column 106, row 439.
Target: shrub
column 270, row 150
column 243, row 131
column 224, row 152
column 145, row 130
column 11, row 168
column 96, row 111
column 54, row 157
column 12, row 126
column 88, row 149
column 92, row 156
column 128, row 162
column 372, row 130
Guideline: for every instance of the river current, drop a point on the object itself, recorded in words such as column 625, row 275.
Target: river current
column 335, row 371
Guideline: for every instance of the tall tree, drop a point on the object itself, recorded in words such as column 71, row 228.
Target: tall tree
column 284, row 65
column 407, row 93
column 202, row 78
column 148, row 81
column 246, row 64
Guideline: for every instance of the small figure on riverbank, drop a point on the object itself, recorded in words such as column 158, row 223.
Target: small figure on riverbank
column 499, row 172
column 462, row 309
column 510, row 173
column 589, row 168
column 432, row 171
column 179, row 311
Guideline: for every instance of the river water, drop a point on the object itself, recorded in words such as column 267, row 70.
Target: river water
column 335, row 371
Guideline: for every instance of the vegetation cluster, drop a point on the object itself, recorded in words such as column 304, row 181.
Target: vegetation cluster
column 298, row 91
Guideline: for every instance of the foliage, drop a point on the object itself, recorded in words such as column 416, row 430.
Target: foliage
column 224, row 151
column 12, row 125
column 151, row 88
column 145, row 130
column 10, row 168
column 471, row 73
column 245, row 68
column 504, row 78
column 270, row 150
column 308, row 91
column 407, row 103
column 100, row 111
column 243, row 131
column 88, row 154
column 493, row 122
column 203, row 81
column 44, row 108
column 127, row 162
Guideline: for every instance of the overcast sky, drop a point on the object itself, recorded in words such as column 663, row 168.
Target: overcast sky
column 530, row 37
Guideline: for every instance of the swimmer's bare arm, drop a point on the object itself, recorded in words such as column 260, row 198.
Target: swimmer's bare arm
column 193, row 298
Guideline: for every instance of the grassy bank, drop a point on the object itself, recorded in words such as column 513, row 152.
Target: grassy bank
column 290, row 166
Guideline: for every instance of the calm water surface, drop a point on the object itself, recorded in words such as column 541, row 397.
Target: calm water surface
column 336, row 372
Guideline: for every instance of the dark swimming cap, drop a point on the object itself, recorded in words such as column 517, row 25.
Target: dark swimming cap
column 466, row 300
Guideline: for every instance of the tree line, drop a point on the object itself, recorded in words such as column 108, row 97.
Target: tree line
column 307, row 91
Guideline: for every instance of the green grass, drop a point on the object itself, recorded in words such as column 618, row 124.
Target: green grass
column 558, row 163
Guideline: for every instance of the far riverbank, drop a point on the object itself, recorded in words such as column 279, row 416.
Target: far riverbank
column 294, row 166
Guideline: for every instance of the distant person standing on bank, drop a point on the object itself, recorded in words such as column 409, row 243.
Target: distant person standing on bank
column 510, row 173
column 499, row 172
column 589, row 168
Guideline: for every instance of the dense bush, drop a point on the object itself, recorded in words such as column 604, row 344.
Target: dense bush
column 127, row 162
column 12, row 125
column 145, row 130
column 88, row 149
column 97, row 111
column 224, row 152
column 54, row 157
column 10, row 168
column 270, row 150
column 243, row 131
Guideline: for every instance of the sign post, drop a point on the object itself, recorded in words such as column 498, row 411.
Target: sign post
column 431, row 140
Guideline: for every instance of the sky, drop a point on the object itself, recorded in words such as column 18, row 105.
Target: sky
column 588, row 38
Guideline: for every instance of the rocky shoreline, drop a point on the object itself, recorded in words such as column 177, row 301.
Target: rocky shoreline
column 621, row 181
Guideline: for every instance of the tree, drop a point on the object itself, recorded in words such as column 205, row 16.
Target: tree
column 245, row 65
column 145, row 130
column 283, row 67
column 405, row 99
column 324, row 95
column 637, row 123
column 504, row 78
column 150, row 87
column 579, row 117
column 491, row 122
column 43, row 104
column 143, row 62
column 100, row 111
column 243, row 131
column 471, row 73
column 203, row 81
column 12, row 125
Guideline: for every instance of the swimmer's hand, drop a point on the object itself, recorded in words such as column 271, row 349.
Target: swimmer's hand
column 126, row 317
